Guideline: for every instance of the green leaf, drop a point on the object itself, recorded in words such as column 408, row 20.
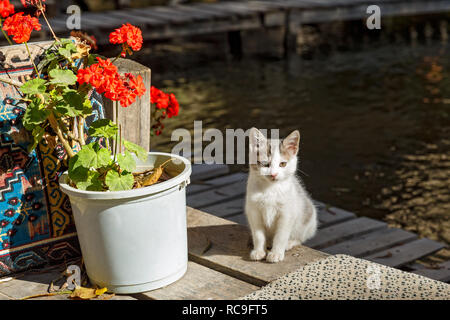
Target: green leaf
column 126, row 162
column 91, row 183
column 103, row 128
column 34, row 86
column 73, row 104
column 77, row 173
column 37, row 133
column 137, row 150
column 92, row 156
column 34, row 115
column 65, row 52
column 118, row 182
column 62, row 77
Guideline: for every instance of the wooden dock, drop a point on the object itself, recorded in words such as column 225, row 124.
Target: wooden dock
column 165, row 22
column 215, row 190
column 218, row 266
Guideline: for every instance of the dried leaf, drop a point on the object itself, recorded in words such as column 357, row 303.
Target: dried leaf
column 87, row 293
column 46, row 295
column 387, row 255
column 153, row 178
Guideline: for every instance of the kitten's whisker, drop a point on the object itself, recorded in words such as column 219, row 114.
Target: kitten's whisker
column 303, row 172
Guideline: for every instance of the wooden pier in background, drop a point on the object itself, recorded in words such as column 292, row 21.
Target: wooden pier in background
column 165, row 22
column 215, row 190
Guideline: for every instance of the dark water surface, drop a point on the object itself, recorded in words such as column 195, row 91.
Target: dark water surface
column 374, row 122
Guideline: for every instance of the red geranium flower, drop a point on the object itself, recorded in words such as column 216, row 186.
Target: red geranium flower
column 20, row 26
column 129, row 36
column 174, row 107
column 105, row 78
column 6, row 8
column 159, row 98
column 138, row 85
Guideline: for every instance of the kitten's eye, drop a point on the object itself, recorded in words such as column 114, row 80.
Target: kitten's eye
column 283, row 164
column 264, row 163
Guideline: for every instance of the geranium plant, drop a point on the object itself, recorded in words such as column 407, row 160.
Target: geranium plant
column 58, row 101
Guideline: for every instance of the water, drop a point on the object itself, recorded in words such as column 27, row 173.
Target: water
column 374, row 121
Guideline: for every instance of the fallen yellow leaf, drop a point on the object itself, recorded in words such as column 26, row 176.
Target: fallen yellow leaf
column 154, row 177
column 87, row 293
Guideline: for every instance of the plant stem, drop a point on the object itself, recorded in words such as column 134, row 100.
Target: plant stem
column 49, row 26
column 11, row 82
column 80, row 122
column 117, row 134
column 120, row 138
column 31, row 59
column 4, row 33
column 55, row 126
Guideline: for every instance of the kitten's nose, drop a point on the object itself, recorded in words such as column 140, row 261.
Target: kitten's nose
column 274, row 175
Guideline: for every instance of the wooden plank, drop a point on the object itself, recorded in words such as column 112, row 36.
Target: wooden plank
column 210, row 14
column 135, row 119
column 38, row 283
column 227, row 209
column 403, row 254
column 227, row 7
column 329, row 215
column 343, row 231
column 222, row 245
column 270, row 6
column 138, row 20
column 190, row 16
column 217, row 195
column 208, row 171
column 152, row 13
column 199, row 186
column 372, row 242
column 247, row 7
column 103, row 20
column 441, row 272
column 218, row 14
column 240, row 218
column 195, row 14
column 235, row 207
column 4, row 297
column 202, row 283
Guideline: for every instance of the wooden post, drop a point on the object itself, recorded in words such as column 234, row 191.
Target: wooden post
column 135, row 119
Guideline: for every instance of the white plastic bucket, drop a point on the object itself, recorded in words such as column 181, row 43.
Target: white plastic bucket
column 136, row 240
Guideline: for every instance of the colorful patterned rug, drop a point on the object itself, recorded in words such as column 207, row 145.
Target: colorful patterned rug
column 36, row 223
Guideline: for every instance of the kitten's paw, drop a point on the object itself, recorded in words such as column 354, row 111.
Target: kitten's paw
column 292, row 243
column 275, row 256
column 257, row 255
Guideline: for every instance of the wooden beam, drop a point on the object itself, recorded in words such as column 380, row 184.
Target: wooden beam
column 135, row 119
column 440, row 272
column 217, row 195
column 343, row 231
column 372, row 242
column 401, row 255
column 207, row 171
column 201, row 283
column 223, row 246
column 199, row 186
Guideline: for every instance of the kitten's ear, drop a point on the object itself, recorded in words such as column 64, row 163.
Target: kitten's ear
column 257, row 138
column 291, row 143
column 258, row 144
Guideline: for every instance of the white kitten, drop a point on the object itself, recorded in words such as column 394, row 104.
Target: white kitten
column 279, row 211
